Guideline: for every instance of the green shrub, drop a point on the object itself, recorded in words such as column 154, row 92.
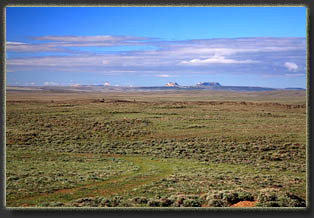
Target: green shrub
column 153, row 203
column 216, row 203
column 140, row 200
column 277, row 198
column 191, row 203
column 245, row 196
column 227, row 198
column 165, row 202
column 231, row 198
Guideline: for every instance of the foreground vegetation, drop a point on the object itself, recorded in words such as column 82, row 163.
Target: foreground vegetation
column 155, row 149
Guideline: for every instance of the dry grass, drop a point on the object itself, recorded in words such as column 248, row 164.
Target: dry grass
column 172, row 148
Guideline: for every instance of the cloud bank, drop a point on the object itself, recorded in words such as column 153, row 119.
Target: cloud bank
column 129, row 55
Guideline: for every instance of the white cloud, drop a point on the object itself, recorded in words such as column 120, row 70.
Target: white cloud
column 216, row 60
column 165, row 75
column 291, row 66
column 58, row 61
column 99, row 38
column 196, row 50
column 123, row 71
column 161, row 59
column 50, row 84
column 295, row 74
column 60, row 43
column 25, row 47
column 10, row 70
column 15, row 43
column 76, row 38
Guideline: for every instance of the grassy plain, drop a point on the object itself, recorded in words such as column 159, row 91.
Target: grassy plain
column 155, row 149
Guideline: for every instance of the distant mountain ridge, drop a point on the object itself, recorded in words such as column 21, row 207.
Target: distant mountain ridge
column 217, row 86
column 168, row 86
column 211, row 84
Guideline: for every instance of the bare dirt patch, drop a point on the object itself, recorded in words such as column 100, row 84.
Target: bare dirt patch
column 245, row 204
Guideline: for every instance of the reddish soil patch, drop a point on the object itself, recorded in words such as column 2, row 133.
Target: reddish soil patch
column 245, row 204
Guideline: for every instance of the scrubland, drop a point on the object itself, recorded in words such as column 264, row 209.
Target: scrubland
column 156, row 149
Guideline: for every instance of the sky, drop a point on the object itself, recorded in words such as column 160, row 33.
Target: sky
column 151, row 46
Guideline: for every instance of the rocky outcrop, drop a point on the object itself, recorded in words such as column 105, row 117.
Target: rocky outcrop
column 172, row 84
column 211, row 84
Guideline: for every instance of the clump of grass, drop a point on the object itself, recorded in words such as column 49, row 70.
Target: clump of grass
column 98, row 201
column 276, row 198
column 193, row 126
column 217, row 145
column 191, row 203
column 226, row 198
column 140, row 200
column 176, row 201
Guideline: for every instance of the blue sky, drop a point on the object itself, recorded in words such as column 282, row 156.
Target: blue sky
column 144, row 46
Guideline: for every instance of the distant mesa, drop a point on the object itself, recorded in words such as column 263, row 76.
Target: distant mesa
column 211, row 84
column 172, row 84
column 106, row 86
column 75, row 85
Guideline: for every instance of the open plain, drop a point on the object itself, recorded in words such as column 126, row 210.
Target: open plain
column 198, row 148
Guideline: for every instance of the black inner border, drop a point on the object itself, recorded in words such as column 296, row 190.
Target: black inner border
column 308, row 212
